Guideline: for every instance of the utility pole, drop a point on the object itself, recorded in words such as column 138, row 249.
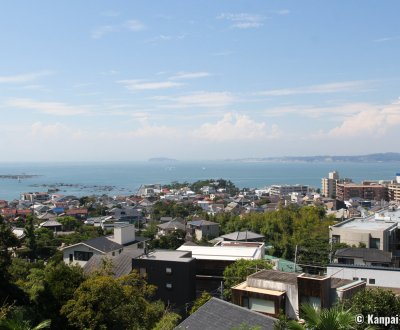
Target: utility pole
column 295, row 259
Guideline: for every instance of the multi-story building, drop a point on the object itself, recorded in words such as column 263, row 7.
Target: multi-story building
column 272, row 292
column 346, row 191
column 173, row 272
column 379, row 231
column 394, row 189
column 284, row 190
column 329, row 184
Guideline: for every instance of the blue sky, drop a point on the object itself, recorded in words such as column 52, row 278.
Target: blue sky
column 130, row 80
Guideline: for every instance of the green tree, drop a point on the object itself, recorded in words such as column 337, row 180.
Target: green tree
column 14, row 320
column 239, row 270
column 106, row 303
column 69, row 223
column 205, row 296
column 374, row 301
column 335, row 318
column 169, row 321
column 7, row 241
column 169, row 242
column 30, row 238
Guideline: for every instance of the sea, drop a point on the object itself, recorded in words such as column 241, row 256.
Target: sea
column 125, row 178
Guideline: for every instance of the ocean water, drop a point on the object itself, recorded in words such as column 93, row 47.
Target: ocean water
column 124, row 178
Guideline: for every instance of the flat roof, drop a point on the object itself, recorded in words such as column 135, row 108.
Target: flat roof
column 243, row 286
column 276, row 276
column 365, row 223
column 223, row 252
column 168, row 255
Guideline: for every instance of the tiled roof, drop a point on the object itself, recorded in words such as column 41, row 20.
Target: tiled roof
column 217, row 314
column 372, row 255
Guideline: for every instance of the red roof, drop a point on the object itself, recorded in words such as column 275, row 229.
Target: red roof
column 76, row 211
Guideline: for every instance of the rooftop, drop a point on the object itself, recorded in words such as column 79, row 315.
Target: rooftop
column 217, row 314
column 169, row 255
column 243, row 286
column 366, row 254
column 276, row 276
column 230, row 253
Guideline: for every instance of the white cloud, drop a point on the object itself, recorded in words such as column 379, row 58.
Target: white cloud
column 41, row 130
column 138, row 85
column 163, row 37
column 385, row 39
column 101, row 31
column 234, row 127
column 189, row 75
column 373, row 121
column 134, row 25
column 50, row 108
column 24, row 78
column 243, row 20
column 199, row 99
column 336, row 87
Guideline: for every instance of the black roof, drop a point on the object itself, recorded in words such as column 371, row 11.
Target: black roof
column 372, row 255
column 121, row 263
column 103, row 244
column 217, row 314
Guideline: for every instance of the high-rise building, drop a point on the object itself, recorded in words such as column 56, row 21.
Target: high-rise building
column 329, row 184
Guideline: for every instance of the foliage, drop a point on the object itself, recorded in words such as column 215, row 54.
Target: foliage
column 173, row 209
column 7, row 240
column 69, row 223
column 30, row 238
column 14, row 320
column 239, row 270
column 151, row 230
column 335, row 318
column 168, row 322
column 218, row 184
column 307, row 227
column 169, row 242
column 205, row 296
column 374, row 301
column 106, row 303
column 82, row 234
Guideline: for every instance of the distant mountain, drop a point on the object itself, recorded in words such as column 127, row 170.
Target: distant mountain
column 162, row 159
column 378, row 157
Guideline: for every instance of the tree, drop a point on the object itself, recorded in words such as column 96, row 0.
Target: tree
column 239, row 270
column 170, row 242
column 169, row 321
column 7, row 241
column 69, row 223
column 104, row 302
column 335, row 318
column 374, row 301
column 205, row 296
column 30, row 238
column 14, row 320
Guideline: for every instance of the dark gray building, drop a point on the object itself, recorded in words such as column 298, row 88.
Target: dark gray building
column 174, row 274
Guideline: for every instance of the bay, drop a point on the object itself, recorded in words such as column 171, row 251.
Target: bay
column 124, row 178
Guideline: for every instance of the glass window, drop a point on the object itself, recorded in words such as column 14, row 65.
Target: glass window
column 168, row 285
column 371, row 281
column 374, row 243
column 168, row 270
column 142, row 271
column 82, row 255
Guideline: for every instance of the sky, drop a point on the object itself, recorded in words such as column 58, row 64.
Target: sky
column 131, row 80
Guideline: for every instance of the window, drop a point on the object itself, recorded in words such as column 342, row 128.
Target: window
column 168, row 270
column 371, row 281
column 142, row 272
column 346, row 261
column 335, row 239
column 355, row 278
column 82, row 255
column 363, row 279
column 168, row 286
column 374, row 243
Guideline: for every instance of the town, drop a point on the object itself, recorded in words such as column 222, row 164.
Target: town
column 193, row 255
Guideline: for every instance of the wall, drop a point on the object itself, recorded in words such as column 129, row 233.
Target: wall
column 81, row 247
column 389, row 277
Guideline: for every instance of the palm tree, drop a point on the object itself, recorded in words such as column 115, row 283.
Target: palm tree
column 17, row 323
column 335, row 318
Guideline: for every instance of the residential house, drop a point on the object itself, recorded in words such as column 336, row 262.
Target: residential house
column 363, row 257
column 243, row 236
column 202, row 229
column 52, row 225
column 111, row 245
column 217, row 314
column 271, row 291
column 172, row 272
column 171, row 226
